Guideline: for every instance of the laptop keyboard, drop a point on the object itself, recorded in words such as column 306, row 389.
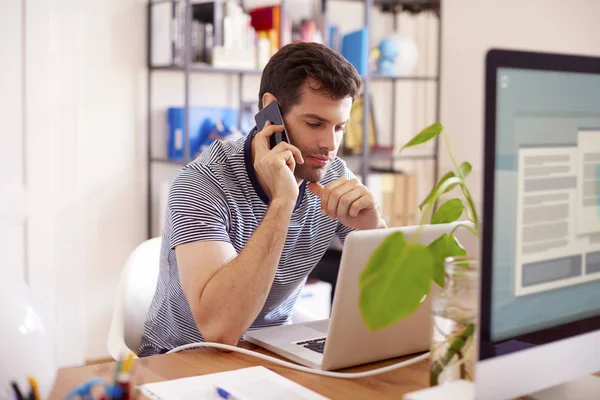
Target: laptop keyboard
column 317, row 345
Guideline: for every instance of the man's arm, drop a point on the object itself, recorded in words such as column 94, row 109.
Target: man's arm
column 227, row 292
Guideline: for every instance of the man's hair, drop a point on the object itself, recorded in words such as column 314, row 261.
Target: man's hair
column 288, row 69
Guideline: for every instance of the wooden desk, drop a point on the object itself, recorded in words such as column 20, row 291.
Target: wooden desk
column 390, row 385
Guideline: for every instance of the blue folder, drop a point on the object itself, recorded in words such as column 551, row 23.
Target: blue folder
column 355, row 48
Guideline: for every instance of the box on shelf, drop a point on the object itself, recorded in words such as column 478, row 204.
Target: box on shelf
column 399, row 199
column 267, row 20
column 168, row 32
column 206, row 124
column 223, row 57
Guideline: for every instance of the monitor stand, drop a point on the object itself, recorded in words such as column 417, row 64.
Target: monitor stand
column 455, row 390
column 580, row 389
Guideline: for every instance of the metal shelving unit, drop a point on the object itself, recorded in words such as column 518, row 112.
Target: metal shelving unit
column 205, row 69
column 396, row 6
column 188, row 68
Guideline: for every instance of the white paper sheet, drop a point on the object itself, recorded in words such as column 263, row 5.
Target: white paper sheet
column 555, row 221
column 249, row 383
column 588, row 187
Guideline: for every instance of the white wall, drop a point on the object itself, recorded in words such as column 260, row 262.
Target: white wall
column 472, row 27
column 12, row 162
column 111, row 144
column 72, row 157
column 40, row 162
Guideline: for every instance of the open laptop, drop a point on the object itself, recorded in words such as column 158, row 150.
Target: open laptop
column 344, row 340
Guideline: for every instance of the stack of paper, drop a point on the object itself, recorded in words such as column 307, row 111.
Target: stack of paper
column 245, row 384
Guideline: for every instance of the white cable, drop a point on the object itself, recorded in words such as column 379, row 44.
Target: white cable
column 344, row 375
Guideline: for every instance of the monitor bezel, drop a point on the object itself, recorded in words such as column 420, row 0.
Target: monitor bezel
column 503, row 58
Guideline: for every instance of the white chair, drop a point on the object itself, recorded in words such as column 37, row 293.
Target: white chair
column 135, row 290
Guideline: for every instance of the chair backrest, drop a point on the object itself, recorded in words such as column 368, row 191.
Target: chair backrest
column 135, row 291
column 142, row 275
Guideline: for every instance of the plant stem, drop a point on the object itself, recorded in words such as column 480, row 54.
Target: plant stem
column 464, row 226
column 463, row 367
column 447, row 140
column 456, row 346
column 471, row 205
column 465, row 190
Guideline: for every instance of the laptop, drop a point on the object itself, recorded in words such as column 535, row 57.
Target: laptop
column 344, row 340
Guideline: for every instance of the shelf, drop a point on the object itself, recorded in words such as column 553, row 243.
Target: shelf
column 212, row 70
column 207, row 69
column 376, row 77
column 422, row 3
column 389, row 156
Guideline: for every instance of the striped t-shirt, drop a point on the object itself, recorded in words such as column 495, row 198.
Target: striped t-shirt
column 218, row 197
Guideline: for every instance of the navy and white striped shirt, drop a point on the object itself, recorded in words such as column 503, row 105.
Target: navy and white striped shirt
column 217, row 197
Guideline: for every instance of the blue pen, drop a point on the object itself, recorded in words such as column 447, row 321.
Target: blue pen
column 226, row 394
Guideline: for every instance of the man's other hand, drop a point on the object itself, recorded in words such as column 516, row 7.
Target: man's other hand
column 350, row 202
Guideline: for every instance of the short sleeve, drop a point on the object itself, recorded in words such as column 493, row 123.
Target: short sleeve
column 196, row 209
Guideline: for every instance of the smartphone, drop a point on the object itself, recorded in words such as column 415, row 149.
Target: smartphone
column 271, row 113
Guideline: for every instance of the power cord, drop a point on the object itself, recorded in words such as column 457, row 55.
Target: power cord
column 343, row 375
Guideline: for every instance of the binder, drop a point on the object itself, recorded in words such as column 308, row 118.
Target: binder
column 201, row 129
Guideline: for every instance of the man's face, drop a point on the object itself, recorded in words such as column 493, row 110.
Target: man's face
column 316, row 126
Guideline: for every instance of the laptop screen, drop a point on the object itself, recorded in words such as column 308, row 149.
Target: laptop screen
column 545, row 265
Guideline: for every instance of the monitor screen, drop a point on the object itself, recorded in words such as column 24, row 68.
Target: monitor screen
column 545, row 266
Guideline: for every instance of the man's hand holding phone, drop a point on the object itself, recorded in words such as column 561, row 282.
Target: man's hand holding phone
column 350, row 202
column 275, row 167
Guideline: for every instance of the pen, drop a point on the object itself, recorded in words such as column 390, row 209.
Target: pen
column 128, row 362
column 18, row 394
column 34, row 388
column 226, row 394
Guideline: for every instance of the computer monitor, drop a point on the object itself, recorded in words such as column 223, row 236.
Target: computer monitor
column 540, row 288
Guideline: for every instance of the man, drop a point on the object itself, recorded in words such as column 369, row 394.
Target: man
column 242, row 231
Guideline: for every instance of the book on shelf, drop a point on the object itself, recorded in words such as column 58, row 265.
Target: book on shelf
column 399, row 198
column 270, row 21
column 243, row 34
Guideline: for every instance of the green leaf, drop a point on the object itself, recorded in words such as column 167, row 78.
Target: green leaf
column 395, row 281
column 465, row 168
column 449, row 211
column 442, row 247
column 437, row 185
column 425, row 135
column 446, row 184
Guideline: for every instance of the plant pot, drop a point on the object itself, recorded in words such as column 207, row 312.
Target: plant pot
column 454, row 311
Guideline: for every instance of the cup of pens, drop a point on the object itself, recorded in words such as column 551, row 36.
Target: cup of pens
column 118, row 388
column 17, row 391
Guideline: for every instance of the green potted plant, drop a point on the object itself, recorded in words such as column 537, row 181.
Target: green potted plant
column 401, row 272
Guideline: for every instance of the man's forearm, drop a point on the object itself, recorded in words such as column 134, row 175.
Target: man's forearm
column 234, row 296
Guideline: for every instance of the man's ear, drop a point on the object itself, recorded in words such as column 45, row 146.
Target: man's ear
column 267, row 99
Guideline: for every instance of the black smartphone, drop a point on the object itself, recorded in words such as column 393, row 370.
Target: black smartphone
column 271, row 113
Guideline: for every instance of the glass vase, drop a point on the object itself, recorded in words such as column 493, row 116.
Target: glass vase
column 454, row 309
